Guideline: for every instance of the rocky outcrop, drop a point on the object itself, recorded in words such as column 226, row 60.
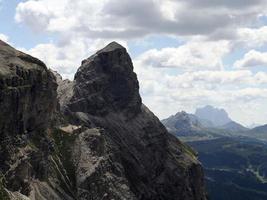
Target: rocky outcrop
column 106, row 144
column 28, row 100
column 125, row 152
column 27, row 92
column 105, row 83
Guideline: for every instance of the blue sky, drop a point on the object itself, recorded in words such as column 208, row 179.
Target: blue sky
column 216, row 54
column 19, row 34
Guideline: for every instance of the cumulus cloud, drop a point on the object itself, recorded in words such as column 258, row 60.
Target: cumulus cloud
column 124, row 19
column 35, row 14
column 218, row 79
column 252, row 37
column 131, row 19
column 4, row 37
column 252, row 59
column 194, row 55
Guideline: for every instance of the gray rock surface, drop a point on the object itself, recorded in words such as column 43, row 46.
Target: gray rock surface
column 27, row 92
column 106, row 144
column 133, row 153
column 28, row 99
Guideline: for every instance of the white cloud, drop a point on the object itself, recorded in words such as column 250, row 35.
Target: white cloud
column 252, row 59
column 194, row 55
column 253, row 37
column 4, row 37
column 36, row 14
column 131, row 19
column 219, row 79
column 121, row 20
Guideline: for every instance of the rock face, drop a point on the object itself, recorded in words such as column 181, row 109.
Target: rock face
column 105, row 143
column 28, row 100
column 27, row 92
column 105, row 83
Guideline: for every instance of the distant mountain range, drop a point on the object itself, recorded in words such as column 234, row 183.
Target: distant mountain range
column 233, row 156
column 218, row 117
column 206, row 122
column 233, row 126
column 259, row 130
column 183, row 123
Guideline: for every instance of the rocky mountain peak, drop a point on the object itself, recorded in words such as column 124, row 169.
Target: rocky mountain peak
column 182, row 123
column 217, row 116
column 112, row 47
column 106, row 83
column 182, row 113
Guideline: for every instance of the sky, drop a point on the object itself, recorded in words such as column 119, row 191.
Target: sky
column 186, row 53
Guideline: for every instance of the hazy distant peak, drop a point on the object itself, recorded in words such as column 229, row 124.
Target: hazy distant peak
column 216, row 115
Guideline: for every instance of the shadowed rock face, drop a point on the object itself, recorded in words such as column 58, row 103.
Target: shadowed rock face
column 133, row 153
column 105, row 145
column 106, row 83
column 28, row 100
column 27, row 92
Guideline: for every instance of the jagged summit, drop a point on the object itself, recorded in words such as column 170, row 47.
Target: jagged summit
column 107, row 82
column 112, row 47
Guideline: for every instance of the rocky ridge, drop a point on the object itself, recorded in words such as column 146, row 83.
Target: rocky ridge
column 95, row 140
